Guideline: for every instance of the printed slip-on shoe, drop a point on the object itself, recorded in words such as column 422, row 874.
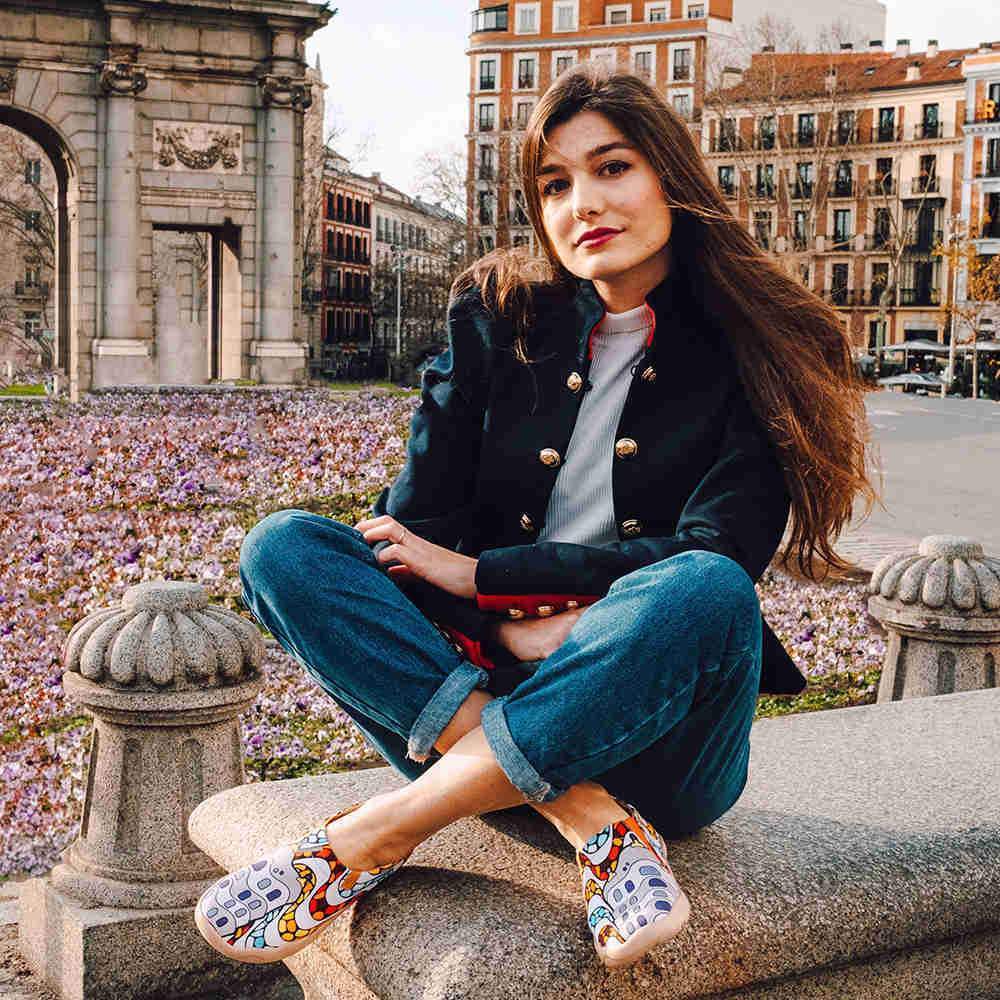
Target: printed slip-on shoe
column 275, row 906
column 633, row 900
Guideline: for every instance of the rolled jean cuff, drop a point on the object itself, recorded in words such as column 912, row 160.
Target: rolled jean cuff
column 519, row 770
column 440, row 710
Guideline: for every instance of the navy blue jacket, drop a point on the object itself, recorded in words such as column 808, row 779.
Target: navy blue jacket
column 693, row 468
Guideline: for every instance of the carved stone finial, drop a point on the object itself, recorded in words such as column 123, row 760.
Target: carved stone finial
column 164, row 635
column 8, row 80
column 286, row 91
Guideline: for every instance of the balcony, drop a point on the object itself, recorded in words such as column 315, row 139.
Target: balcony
column 31, row 289
column 726, row 144
column 844, row 137
column 486, row 124
column 681, row 73
column 806, row 139
column 728, row 190
column 983, row 115
column 843, row 189
column 887, row 133
column 763, row 191
column 990, row 231
column 844, row 297
column 879, row 240
column 925, row 240
column 764, row 140
column 925, row 184
column 490, row 19
column 800, row 243
column 802, row 191
column 919, row 297
column 881, row 186
column 928, row 130
column 992, row 169
column 487, row 83
column 841, row 242
column 526, row 81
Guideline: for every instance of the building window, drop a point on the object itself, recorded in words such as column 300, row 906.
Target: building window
column 527, row 18
column 485, row 243
column 845, row 128
column 487, row 74
column 486, row 208
column 927, row 179
column 843, row 182
column 886, row 131
column 562, row 64
column 490, row 19
column 841, row 225
column 682, row 105
column 727, row 179
column 330, row 243
column 33, row 221
column 930, row 124
column 765, row 180
column 765, row 132
column 800, row 231
column 807, row 129
column 523, row 113
column 526, row 73
column 838, row 284
column 883, row 228
column 696, row 10
column 880, row 278
column 656, row 12
column 804, row 178
column 604, row 57
column 993, row 157
column 883, row 175
column 643, row 66
column 564, row 16
column 727, row 135
column 519, row 214
column 682, row 64
column 32, row 171
column 762, row 229
column 617, row 13
column 487, row 117
column 486, row 163
column 32, row 324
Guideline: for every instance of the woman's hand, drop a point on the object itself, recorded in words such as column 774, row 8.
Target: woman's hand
column 451, row 571
column 536, row 638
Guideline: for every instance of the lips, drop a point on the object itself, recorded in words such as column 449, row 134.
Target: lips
column 596, row 236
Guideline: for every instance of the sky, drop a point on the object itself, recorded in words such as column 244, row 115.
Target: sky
column 397, row 72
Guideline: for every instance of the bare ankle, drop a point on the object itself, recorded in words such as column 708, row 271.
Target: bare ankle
column 366, row 838
column 581, row 812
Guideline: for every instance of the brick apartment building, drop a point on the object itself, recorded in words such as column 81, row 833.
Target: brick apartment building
column 516, row 49
column 851, row 167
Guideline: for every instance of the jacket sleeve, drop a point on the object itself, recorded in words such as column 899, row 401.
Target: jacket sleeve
column 738, row 509
column 433, row 494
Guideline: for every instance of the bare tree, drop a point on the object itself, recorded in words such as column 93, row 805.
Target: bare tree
column 441, row 179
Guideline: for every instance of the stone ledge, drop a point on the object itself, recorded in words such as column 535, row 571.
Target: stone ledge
column 865, row 850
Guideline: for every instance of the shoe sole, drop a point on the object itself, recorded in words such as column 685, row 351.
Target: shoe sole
column 648, row 937
column 267, row 956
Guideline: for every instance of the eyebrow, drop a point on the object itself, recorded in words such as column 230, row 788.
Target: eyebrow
column 551, row 168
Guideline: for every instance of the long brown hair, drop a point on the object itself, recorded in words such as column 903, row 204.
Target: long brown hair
column 792, row 354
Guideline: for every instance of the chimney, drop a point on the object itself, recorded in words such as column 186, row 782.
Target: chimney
column 767, row 48
column 732, row 76
column 913, row 71
column 985, row 47
column 875, row 45
column 932, row 48
column 847, row 46
column 831, row 78
column 902, row 48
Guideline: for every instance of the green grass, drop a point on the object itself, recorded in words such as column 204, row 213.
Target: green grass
column 35, row 389
column 390, row 387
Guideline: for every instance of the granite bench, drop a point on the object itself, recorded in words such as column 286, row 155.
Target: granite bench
column 862, row 861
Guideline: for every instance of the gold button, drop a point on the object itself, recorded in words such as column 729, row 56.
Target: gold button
column 649, row 374
column 549, row 457
column 625, row 447
column 574, row 381
column 515, row 613
column 631, row 527
column 527, row 523
column 544, row 610
column 572, row 604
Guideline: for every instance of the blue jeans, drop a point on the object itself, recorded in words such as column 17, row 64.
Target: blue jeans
column 651, row 695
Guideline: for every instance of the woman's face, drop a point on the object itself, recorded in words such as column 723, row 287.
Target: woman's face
column 591, row 177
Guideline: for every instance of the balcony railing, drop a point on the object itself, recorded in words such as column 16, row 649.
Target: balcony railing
column 844, row 137
column 487, row 83
column 764, row 140
column 728, row 190
column 802, row 191
column 981, row 116
column 842, row 241
column 928, row 130
column 925, row 184
column 338, row 295
column 992, row 169
column 842, row 189
column 486, row 172
column 31, row 289
column 805, row 139
column 348, row 256
column 924, row 240
column 990, row 231
column 726, row 144
column 526, row 81
column 682, row 72
column 891, row 133
column 876, row 241
column 881, row 186
column 765, row 191
column 800, row 242
column 919, row 297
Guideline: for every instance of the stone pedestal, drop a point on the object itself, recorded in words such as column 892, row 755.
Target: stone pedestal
column 165, row 676
column 941, row 608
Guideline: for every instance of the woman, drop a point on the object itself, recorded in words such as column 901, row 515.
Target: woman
column 589, row 495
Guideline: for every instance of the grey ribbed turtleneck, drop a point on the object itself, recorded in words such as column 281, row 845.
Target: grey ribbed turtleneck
column 581, row 507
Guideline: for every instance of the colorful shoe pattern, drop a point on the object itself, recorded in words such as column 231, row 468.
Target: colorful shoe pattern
column 273, row 907
column 633, row 900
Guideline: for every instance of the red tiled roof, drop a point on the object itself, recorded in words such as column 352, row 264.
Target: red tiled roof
column 803, row 74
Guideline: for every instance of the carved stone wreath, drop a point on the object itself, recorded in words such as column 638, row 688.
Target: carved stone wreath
column 198, row 146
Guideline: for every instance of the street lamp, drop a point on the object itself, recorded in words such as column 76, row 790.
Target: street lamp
column 399, row 258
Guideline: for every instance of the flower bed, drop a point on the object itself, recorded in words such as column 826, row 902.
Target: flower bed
column 121, row 488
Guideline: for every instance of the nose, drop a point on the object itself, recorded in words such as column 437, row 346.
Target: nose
column 586, row 199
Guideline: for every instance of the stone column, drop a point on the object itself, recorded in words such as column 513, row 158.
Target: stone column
column 941, row 608
column 119, row 355
column 285, row 95
column 165, row 676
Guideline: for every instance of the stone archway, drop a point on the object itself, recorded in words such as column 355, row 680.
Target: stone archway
column 157, row 115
